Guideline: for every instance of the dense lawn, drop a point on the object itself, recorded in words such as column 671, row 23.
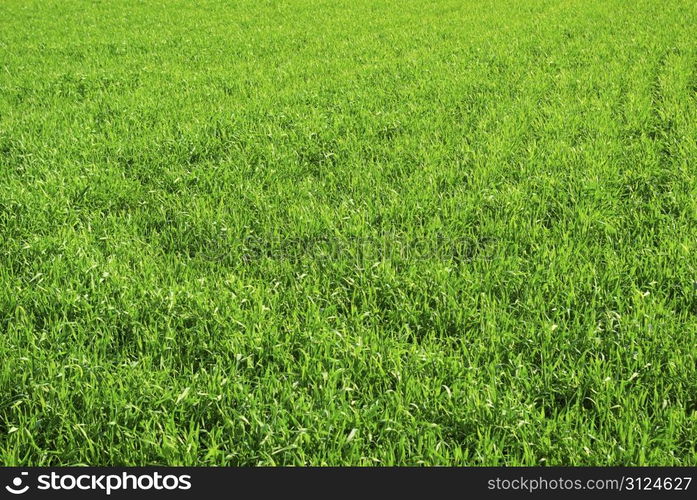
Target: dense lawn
column 348, row 232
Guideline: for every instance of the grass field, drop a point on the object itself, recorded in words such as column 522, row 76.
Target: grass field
column 348, row 232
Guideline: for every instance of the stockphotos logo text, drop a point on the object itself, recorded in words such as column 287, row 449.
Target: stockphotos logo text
column 106, row 483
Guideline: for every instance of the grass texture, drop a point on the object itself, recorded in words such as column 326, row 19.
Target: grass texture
column 456, row 232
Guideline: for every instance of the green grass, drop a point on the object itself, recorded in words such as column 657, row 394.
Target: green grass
column 348, row 232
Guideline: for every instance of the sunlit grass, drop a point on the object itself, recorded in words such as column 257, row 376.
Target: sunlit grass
column 348, row 232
